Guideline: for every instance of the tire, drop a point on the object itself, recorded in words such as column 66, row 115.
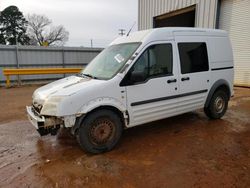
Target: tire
column 218, row 105
column 100, row 131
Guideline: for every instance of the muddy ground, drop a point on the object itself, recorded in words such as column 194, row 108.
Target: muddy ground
column 184, row 151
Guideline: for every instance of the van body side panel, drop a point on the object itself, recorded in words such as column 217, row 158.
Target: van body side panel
column 221, row 60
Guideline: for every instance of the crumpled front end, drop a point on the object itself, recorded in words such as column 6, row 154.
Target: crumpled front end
column 43, row 115
column 56, row 104
column 43, row 124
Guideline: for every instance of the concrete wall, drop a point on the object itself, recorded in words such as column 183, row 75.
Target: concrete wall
column 32, row 56
column 205, row 11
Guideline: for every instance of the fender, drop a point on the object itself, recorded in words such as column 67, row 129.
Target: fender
column 103, row 101
column 93, row 104
column 215, row 86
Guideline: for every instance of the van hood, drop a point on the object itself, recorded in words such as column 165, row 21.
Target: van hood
column 63, row 87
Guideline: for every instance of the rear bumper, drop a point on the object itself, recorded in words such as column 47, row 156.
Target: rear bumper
column 36, row 120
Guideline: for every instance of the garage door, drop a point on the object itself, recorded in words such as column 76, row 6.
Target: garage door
column 179, row 18
column 235, row 18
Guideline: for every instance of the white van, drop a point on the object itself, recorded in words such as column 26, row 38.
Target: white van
column 146, row 76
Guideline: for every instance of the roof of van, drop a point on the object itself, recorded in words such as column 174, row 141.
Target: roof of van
column 167, row 33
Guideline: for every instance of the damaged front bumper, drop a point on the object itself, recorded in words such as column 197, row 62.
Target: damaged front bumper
column 36, row 120
column 43, row 125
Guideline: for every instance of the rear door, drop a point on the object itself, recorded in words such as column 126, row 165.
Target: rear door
column 194, row 71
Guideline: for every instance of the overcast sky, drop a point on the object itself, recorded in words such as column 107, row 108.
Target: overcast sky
column 84, row 19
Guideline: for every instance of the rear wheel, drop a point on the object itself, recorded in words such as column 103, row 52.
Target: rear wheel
column 100, row 131
column 218, row 105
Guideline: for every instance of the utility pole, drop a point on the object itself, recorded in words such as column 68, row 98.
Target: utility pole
column 91, row 43
column 121, row 32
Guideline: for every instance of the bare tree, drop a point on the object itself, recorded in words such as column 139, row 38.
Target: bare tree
column 42, row 32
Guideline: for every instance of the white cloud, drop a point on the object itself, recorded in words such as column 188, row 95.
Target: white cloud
column 84, row 19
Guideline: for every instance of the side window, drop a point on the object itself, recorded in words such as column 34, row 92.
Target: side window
column 155, row 61
column 193, row 57
column 141, row 65
column 160, row 59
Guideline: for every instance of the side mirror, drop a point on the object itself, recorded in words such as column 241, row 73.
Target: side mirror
column 137, row 77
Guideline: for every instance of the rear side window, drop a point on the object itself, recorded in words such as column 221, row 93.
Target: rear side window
column 193, row 57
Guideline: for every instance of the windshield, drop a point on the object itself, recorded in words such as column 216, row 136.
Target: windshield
column 110, row 61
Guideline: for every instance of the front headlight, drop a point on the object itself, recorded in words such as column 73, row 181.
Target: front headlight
column 37, row 99
column 50, row 105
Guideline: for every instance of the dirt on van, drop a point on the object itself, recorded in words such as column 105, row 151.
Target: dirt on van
column 183, row 151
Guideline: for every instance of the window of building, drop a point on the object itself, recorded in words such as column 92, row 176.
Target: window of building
column 193, row 57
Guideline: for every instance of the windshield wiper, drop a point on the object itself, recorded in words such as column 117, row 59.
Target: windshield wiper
column 87, row 75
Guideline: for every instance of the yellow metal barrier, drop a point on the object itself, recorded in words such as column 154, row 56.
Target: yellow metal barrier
column 32, row 71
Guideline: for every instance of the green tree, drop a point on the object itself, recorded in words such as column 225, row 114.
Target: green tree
column 13, row 27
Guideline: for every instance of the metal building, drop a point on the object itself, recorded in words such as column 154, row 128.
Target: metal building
column 230, row 15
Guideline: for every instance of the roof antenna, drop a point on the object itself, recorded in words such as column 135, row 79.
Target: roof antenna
column 131, row 29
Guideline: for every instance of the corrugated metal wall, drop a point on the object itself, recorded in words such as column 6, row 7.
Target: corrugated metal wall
column 205, row 11
column 30, row 56
column 235, row 18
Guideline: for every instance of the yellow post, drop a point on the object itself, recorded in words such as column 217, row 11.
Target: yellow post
column 7, row 81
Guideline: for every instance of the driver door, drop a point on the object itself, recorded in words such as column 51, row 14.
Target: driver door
column 150, row 98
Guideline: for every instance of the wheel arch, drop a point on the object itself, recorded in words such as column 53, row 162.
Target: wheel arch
column 107, row 107
column 220, row 84
column 113, row 108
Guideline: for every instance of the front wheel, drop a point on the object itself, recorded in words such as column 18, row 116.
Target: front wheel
column 218, row 105
column 100, row 131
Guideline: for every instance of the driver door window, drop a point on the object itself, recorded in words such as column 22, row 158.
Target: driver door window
column 155, row 61
column 141, row 65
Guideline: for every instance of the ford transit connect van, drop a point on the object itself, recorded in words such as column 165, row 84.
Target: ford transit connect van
column 146, row 76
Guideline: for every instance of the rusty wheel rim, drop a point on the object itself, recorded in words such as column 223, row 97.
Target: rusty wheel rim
column 102, row 131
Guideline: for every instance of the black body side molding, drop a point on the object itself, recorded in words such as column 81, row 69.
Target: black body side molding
column 167, row 98
column 221, row 68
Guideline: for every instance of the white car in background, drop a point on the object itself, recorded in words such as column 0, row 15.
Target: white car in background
column 146, row 76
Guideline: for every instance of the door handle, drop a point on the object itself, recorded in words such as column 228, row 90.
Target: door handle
column 185, row 78
column 171, row 81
